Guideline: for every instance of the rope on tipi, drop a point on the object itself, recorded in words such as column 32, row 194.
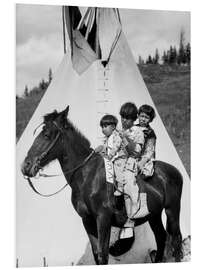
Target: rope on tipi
column 64, row 32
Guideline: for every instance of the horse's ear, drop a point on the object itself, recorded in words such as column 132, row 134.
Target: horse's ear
column 65, row 112
column 63, row 117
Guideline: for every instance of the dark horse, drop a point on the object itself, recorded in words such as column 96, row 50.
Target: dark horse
column 92, row 196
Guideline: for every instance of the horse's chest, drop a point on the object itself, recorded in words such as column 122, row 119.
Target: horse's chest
column 80, row 207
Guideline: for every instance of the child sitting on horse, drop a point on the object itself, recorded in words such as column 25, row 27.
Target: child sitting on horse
column 112, row 150
column 144, row 161
column 133, row 138
column 146, row 115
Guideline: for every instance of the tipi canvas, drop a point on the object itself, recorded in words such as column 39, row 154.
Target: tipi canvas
column 50, row 227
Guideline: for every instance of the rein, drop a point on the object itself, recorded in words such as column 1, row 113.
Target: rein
column 66, row 172
column 72, row 170
column 43, row 195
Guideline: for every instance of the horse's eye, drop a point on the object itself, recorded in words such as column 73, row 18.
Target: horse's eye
column 46, row 135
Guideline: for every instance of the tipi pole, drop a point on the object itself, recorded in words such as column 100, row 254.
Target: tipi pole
column 64, row 33
column 118, row 14
column 17, row 263
column 44, row 262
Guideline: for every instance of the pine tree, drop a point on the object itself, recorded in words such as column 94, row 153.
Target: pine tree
column 175, row 54
column 188, row 53
column 149, row 60
column 50, row 76
column 156, row 58
column 43, row 85
column 181, row 53
column 165, row 58
column 168, row 57
column 140, row 60
column 172, row 55
column 26, row 94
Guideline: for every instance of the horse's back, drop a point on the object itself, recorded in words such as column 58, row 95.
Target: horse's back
column 164, row 186
column 170, row 173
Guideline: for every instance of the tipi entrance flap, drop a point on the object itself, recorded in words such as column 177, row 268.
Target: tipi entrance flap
column 109, row 31
column 83, row 55
column 95, row 37
column 83, row 44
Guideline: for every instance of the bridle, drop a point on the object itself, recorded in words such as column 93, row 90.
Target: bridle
column 44, row 154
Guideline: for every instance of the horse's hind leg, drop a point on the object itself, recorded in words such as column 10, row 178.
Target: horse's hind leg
column 173, row 228
column 160, row 236
column 91, row 229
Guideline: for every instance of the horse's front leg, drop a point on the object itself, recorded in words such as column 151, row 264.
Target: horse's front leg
column 104, row 232
column 91, row 228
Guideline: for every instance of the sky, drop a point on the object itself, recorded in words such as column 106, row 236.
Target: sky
column 39, row 39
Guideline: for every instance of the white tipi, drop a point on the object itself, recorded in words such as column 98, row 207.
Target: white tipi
column 49, row 227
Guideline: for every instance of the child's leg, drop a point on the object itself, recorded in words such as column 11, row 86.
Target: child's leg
column 119, row 189
column 131, row 187
column 109, row 171
column 148, row 169
column 118, row 169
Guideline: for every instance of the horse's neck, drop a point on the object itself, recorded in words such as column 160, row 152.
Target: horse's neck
column 72, row 156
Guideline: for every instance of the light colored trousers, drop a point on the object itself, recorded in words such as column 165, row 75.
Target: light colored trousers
column 126, row 171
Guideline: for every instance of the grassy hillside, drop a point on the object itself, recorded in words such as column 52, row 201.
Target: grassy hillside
column 170, row 90
column 25, row 108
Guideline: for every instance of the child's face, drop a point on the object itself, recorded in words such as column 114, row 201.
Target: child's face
column 144, row 119
column 107, row 130
column 126, row 123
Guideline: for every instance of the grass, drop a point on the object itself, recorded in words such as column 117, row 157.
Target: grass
column 25, row 108
column 169, row 87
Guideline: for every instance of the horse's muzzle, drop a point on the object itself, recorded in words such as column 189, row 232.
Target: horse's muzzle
column 29, row 168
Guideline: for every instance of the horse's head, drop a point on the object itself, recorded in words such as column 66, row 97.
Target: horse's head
column 47, row 145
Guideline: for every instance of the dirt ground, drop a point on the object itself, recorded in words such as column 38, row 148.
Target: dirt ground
column 139, row 253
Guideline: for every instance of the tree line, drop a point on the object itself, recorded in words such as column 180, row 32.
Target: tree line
column 180, row 56
column 42, row 86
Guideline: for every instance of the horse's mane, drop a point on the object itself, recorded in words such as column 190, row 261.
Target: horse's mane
column 79, row 138
column 50, row 117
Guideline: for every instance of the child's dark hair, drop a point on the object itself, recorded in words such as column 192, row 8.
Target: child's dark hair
column 108, row 119
column 148, row 110
column 129, row 111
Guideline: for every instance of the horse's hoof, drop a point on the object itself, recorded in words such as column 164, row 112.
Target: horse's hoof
column 121, row 246
column 152, row 255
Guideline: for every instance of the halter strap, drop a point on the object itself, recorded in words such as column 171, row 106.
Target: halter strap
column 71, row 170
column 43, row 195
column 66, row 172
column 52, row 144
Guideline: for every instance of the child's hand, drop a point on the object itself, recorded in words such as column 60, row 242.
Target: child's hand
column 120, row 133
column 125, row 133
column 141, row 164
column 99, row 149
